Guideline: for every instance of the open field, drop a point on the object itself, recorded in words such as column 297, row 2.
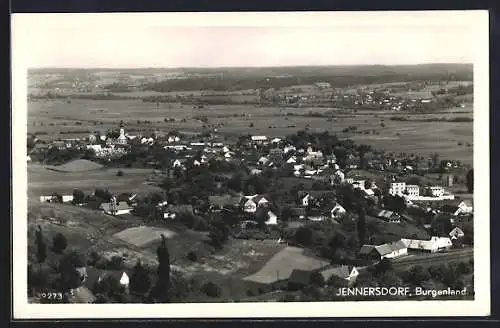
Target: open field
column 423, row 138
column 79, row 165
column 42, row 181
column 140, row 236
column 281, row 265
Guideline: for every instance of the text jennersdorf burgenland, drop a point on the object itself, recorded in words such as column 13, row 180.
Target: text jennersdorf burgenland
column 399, row 291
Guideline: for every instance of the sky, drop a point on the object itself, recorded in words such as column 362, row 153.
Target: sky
column 174, row 40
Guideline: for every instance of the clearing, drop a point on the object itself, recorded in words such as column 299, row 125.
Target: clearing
column 143, row 235
column 281, row 265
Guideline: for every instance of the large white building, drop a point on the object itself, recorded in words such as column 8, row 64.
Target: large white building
column 397, row 188
column 413, row 190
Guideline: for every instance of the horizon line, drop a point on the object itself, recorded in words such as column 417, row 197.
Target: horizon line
column 248, row 66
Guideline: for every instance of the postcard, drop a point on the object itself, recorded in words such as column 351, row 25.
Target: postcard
column 250, row 165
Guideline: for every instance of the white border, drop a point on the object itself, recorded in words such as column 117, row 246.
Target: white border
column 477, row 20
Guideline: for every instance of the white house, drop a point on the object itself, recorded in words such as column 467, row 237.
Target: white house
column 397, row 188
column 435, row 244
column 272, row 218
column 349, row 273
column 249, row 206
column 389, row 250
column 337, row 211
column 292, row 160
column 289, row 148
column 413, row 190
column 436, row 191
column 456, row 233
column 67, row 198
column 263, row 160
column 120, row 208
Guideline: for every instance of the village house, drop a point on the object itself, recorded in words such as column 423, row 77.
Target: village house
column 344, row 272
column 217, row 203
column 397, row 188
column 259, row 140
column 435, row 191
column 337, row 211
column 457, row 207
column 456, row 233
column 312, row 197
column 388, row 250
column 251, row 203
column 118, row 208
column 435, row 244
column 389, row 216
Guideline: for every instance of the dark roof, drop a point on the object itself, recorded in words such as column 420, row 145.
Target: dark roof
column 446, row 208
column 180, row 208
column 316, row 193
column 225, row 200
column 366, row 249
column 300, row 277
column 388, row 248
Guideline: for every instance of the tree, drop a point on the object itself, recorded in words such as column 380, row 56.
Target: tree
column 317, row 279
column 286, row 214
column 41, row 253
column 361, row 226
column 59, row 243
column 435, row 160
column 78, row 196
column 140, row 281
column 470, row 181
column 211, row 289
column 69, row 277
column 163, row 283
column 304, row 236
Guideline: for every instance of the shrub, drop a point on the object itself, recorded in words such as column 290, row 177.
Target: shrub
column 119, row 173
column 59, row 243
column 211, row 289
column 192, row 256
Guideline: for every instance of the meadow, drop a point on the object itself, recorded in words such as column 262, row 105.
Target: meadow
column 42, row 181
column 81, row 117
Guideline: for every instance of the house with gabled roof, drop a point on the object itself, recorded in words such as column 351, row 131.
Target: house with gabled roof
column 435, row 244
column 249, row 204
column 388, row 250
column 456, row 233
column 389, row 216
column 348, row 273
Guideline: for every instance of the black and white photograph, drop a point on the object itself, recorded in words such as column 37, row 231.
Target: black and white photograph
column 312, row 164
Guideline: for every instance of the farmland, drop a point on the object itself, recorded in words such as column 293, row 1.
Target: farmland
column 42, row 181
column 423, row 137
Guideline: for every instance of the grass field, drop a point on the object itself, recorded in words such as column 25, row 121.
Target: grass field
column 143, row 235
column 42, row 181
column 281, row 265
column 421, row 138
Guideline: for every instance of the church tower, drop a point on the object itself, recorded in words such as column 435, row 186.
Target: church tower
column 122, row 139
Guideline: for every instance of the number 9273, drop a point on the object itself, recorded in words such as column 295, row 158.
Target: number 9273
column 50, row 296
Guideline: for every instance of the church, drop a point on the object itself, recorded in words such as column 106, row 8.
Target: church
column 122, row 139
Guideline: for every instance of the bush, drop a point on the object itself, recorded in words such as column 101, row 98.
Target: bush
column 192, row 256
column 211, row 289
column 59, row 243
column 119, row 173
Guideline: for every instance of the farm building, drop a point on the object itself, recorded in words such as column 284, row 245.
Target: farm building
column 389, row 216
column 118, row 209
column 389, row 250
column 435, row 244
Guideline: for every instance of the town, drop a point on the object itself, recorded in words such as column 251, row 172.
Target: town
column 244, row 218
